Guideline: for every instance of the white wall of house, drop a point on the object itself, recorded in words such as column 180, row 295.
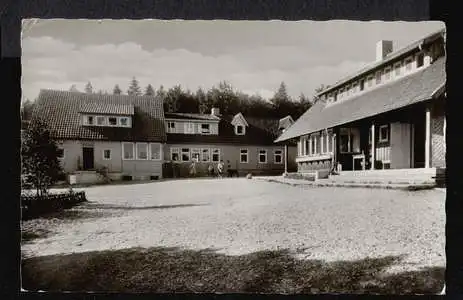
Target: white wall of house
column 114, row 162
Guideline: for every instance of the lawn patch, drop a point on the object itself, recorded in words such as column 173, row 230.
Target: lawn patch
column 174, row 270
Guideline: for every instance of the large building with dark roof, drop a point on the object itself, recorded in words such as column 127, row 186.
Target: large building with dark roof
column 131, row 136
column 389, row 115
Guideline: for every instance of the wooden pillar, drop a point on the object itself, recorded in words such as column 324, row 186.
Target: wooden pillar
column 373, row 146
column 286, row 158
column 427, row 139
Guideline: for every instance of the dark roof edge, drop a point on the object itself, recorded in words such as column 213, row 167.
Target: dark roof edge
column 394, row 55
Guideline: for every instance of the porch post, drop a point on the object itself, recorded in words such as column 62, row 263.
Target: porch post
column 427, row 140
column 286, row 158
column 373, row 147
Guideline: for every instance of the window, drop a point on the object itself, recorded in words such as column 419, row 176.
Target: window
column 128, row 150
column 89, row 120
column 205, row 128
column 355, row 88
column 378, row 77
column 215, row 155
column 419, row 60
column 100, row 120
column 185, row 154
column 262, row 156
column 239, row 129
column 408, row 64
column 323, row 143
column 155, row 151
column 387, row 73
column 330, row 143
column 341, row 93
column 244, row 156
column 195, row 154
column 335, row 97
column 370, row 81
column 397, row 69
column 362, row 85
column 347, row 91
column 384, row 133
column 306, row 146
column 142, row 151
column 174, row 154
column 171, row 126
column 349, row 140
column 313, row 143
column 106, row 154
column 112, row 121
column 189, row 128
column 278, row 156
column 124, row 121
column 60, row 153
column 205, row 155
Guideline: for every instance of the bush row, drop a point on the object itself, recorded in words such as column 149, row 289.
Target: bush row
column 36, row 206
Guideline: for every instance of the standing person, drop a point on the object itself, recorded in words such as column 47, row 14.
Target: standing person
column 220, row 169
column 210, row 170
column 193, row 168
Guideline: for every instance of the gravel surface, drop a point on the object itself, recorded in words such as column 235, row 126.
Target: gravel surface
column 239, row 216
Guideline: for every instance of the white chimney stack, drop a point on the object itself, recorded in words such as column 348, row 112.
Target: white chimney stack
column 383, row 48
column 215, row 111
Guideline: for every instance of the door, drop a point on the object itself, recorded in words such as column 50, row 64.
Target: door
column 88, row 158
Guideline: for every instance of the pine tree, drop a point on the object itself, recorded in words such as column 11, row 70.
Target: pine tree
column 89, row 88
column 73, row 88
column 134, row 88
column 149, row 91
column 117, row 90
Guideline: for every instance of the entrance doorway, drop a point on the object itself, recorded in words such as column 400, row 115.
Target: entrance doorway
column 418, row 142
column 88, row 158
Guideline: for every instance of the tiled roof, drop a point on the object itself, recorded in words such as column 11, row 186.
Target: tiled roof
column 411, row 89
column 260, row 132
column 188, row 116
column 389, row 58
column 60, row 110
column 106, row 108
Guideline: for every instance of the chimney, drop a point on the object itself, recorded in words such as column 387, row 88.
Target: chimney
column 383, row 48
column 215, row 111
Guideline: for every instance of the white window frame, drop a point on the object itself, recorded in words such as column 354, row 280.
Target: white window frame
column 247, row 155
column 151, row 151
column 378, row 77
column 370, row 81
column 259, row 154
column 202, row 130
column 323, row 143
column 147, row 151
column 387, row 71
column 398, row 67
column 103, row 154
column 184, row 152
column 381, row 139
column 173, row 151
column 189, row 127
column 243, row 127
column 117, row 121
column 355, row 88
column 101, row 118
column 275, row 154
column 133, row 151
column 212, row 154
column 409, row 61
column 208, row 154
column 194, row 151
column 171, row 128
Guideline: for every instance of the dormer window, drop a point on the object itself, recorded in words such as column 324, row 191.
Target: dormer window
column 239, row 129
column 100, row 120
column 205, row 128
column 124, row 121
column 89, row 120
column 112, row 121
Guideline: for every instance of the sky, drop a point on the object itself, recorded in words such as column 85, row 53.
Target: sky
column 253, row 56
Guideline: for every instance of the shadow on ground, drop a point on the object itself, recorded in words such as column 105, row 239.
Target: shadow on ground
column 120, row 207
column 174, row 270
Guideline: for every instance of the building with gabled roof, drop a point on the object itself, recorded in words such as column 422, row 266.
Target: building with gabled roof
column 122, row 135
column 389, row 115
column 244, row 144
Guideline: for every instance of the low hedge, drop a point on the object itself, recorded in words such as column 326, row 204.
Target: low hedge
column 36, row 206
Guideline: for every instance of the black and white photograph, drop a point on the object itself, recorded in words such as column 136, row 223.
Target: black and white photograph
column 220, row 156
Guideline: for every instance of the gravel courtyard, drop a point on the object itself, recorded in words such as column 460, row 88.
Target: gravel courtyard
column 240, row 216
